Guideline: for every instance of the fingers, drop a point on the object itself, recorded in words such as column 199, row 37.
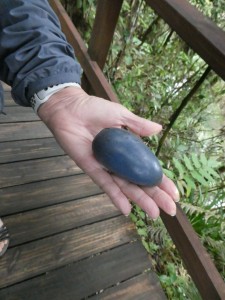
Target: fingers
column 162, row 199
column 169, row 187
column 119, row 190
column 149, row 199
column 104, row 180
column 140, row 125
column 138, row 196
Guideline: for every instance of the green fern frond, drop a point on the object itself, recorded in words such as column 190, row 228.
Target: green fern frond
column 191, row 209
column 157, row 234
column 218, row 246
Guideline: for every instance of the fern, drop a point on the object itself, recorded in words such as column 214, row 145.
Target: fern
column 191, row 209
column 203, row 197
column 157, row 234
column 192, row 172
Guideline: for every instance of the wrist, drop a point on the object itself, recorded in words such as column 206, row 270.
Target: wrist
column 42, row 96
column 58, row 102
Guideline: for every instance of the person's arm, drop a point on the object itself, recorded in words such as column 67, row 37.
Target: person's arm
column 34, row 53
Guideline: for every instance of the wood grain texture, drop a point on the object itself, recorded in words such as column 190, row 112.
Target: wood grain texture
column 107, row 14
column 35, row 258
column 84, row 278
column 142, row 287
column 23, row 131
column 30, row 196
column 29, row 149
column 39, row 223
column 18, row 114
column 8, row 101
column 36, row 170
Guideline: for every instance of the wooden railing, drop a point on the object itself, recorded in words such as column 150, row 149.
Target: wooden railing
column 209, row 42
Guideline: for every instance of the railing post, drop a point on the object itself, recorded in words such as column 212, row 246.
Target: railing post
column 106, row 18
column 107, row 14
column 91, row 69
column 196, row 259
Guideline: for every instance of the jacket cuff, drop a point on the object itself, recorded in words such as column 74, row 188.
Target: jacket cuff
column 22, row 94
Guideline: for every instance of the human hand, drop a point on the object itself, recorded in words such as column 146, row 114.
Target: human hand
column 75, row 118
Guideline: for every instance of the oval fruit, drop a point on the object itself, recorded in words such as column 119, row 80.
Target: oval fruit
column 125, row 155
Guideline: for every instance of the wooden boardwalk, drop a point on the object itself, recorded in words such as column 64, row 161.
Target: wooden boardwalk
column 67, row 240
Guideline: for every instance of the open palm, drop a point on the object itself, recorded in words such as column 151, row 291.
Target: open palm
column 75, row 118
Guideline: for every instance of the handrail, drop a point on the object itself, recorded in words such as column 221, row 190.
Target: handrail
column 91, row 69
column 198, row 31
column 197, row 260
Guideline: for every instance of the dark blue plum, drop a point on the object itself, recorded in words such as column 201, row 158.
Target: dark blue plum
column 125, row 155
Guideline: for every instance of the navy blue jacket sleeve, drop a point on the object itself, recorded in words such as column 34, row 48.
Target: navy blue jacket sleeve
column 34, row 53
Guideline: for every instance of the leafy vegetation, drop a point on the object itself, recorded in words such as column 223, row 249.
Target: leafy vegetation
column 157, row 76
column 202, row 201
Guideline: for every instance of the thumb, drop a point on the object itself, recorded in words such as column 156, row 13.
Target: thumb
column 140, row 126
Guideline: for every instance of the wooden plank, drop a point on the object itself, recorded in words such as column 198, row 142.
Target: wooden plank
column 18, row 114
column 143, row 287
column 35, row 170
column 107, row 14
column 199, row 32
column 43, row 193
column 84, row 278
column 29, row 149
column 35, row 258
column 33, row 225
column 197, row 260
column 91, row 69
column 22, row 131
column 8, row 101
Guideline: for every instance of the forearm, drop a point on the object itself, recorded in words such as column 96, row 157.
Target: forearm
column 34, row 53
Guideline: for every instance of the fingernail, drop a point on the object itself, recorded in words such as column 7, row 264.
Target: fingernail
column 157, row 128
column 176, row 195
column 173, row 214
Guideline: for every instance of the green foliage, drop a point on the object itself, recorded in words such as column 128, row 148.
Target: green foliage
column 202, row 190
column 193, row 172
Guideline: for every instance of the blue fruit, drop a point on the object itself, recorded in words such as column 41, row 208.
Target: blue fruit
column 125, row 155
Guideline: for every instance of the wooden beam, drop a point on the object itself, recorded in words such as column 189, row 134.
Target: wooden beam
column 91, row 69
column 53, row 252
column 106, row 18
column 107, row 14
column 197, row 261
column 199, row 32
